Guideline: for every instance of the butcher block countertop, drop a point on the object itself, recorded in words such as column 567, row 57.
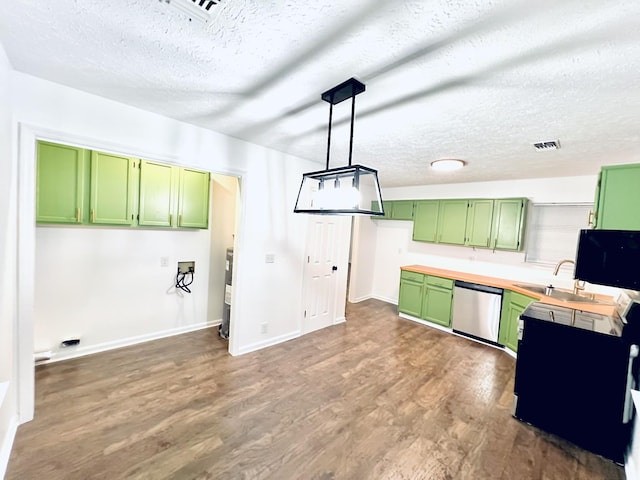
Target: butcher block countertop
column 514, row 285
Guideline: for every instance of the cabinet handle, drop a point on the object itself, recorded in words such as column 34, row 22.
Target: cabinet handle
column 590, row 218
column 93, row 216
column 488, row 242
column 78, row 215
column 180, row 220
column 171, row 219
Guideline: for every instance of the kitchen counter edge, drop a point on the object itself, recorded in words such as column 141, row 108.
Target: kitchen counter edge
column 513, row 286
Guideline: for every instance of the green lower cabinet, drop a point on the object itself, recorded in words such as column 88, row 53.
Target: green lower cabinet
column 426, row 297
column 411, row 294
column 437, row 305
column 513, row 304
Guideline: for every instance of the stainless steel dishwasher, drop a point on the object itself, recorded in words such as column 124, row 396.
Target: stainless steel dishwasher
column 476, row 311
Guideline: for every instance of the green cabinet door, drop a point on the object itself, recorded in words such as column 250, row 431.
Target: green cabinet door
column 452, row 221
column 158, row 186
column 508, row 223
column 513, row 304
column 411, row 293
column 112, row 189
column 479, row 223
column 437, row 305
column 592, row 221
column 387, row 206
column 402, row 210
column 619, row 197
column 425, row 220
column 193, row 200
column 60, row 183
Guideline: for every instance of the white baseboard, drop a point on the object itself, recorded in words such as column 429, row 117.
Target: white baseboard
column 385, row 299
column 360, row 299
column 339, row 320
column 7, row 444
column 424, row 322
column 74, row 352
column 269, row 342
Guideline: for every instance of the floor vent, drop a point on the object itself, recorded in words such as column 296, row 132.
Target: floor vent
column 552, row 145
column 198, row 10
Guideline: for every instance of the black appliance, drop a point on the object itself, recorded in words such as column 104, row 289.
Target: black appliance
column 609, row 257
column 574, row 373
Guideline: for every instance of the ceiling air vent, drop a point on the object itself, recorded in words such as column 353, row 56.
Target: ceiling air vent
column 199, row 10
column 552, row 145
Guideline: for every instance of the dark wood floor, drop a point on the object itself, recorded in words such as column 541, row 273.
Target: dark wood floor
column 376, row 398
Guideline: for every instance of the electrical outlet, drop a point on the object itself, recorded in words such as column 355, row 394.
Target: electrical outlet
column 186, row 267
column 164, row 261
column 270, row 258
column 264, row 328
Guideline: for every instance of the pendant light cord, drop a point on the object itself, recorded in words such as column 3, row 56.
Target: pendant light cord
column 329, row 136
column 353, row 112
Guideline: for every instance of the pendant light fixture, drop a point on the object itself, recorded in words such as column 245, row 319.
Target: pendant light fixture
column 348, row 190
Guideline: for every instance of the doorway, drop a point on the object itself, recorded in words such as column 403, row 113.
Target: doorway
column 224, row 214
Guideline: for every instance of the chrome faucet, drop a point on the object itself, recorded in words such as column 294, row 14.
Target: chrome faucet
column 577, row 284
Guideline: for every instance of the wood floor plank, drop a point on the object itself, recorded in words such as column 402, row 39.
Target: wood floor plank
column 378, row 397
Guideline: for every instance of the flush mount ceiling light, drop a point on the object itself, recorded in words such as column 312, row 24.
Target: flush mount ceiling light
column 348, row 190
column 447, row 164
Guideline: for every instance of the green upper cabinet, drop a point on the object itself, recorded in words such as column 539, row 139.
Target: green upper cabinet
column 60, row 183
column 386, row 205
column 452, row 221
column 508, row 223
column 425, row 220
column 402, row 210
column 193, row 200
column 395, row 209
column 617, row 198
column 113, row 187
column 479, row 223
column 80, row 186
column 158, row 187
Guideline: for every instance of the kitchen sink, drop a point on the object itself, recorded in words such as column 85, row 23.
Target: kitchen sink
column 558, row 294
column 532, row 288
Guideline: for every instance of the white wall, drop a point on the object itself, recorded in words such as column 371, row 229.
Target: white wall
column 224, row 190
column 8, row 205
column 106, row 286
column 394, row 247
column 263, row 292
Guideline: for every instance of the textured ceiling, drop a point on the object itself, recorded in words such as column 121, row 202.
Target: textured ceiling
column 478, row 80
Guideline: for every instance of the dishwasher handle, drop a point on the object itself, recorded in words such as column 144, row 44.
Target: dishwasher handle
column 478, row 287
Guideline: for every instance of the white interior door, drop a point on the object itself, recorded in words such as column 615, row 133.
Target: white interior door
column 325, row 273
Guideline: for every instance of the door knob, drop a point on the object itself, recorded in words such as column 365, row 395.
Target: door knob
column 334, row 268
